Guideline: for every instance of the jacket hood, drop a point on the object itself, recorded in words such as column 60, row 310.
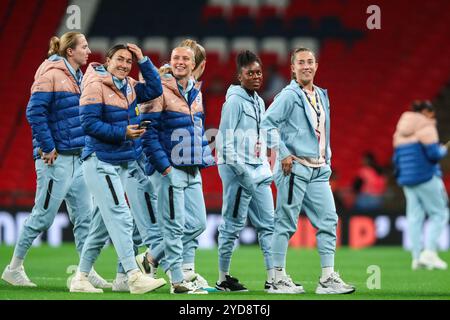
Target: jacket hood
column 170, row 82
column 96, row 72
column 239, row 91
column 411, row 122
column 53, row 62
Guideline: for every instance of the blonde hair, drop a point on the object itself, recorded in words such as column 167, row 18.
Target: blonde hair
column 59, row 46
column 199, row 51
column 165, row 69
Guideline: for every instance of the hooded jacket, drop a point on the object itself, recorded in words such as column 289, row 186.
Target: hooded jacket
column 106, row 111
column 239, row 125
column 176, row 136
column 416, row 149
column 290, row 127
column 52, row 110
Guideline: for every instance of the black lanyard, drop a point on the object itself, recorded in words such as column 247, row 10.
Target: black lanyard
column 257, row 110
column 317, row 111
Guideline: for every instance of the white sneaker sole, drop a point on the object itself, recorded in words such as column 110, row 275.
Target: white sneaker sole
column 284, row 292
column 321, row 290
column 76, row 290
column 13, row 283
column 158, row 283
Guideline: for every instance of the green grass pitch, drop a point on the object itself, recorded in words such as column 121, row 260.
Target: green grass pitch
column 47, row 267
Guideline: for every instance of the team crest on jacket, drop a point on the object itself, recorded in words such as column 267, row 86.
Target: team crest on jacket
column 198, row 99
column 128, row 89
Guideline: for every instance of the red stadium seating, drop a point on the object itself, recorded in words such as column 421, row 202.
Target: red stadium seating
column 370, row 81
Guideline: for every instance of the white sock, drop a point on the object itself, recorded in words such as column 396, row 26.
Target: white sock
column 132, row 271
column 326, row 272
column 279, row 273
column 270, row 275
column 222, row 276
column 169, row 274
column 15, row 263
column 121, row 276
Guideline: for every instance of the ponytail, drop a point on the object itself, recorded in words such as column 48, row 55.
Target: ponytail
column 59, row 46
column 54, row 46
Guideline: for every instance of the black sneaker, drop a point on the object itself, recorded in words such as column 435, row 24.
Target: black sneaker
column 231, row 284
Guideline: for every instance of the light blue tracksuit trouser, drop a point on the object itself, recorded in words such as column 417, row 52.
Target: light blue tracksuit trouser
column 61, row 181
column 238, row 203
column 428, row 198
column 180, row 192
column 111, row 213
column 157, row 244
column 306, row 188
column 142, row 198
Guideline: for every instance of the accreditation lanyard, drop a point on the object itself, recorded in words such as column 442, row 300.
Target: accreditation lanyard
column 316, row 108
column 257, row 109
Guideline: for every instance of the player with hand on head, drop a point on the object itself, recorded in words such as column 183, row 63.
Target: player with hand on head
column 110, row 119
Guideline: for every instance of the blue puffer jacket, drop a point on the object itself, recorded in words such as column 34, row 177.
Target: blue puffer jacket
column 106, row 111
column 53, row 108
column 176, row 136
column 416, row 149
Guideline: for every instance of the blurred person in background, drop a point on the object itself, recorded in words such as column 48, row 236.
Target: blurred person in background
column 417, row 153
column 110, row 119
column 244, row 171
column 274, row 84
column 370, row 185
column 298, row 127
column 58, row 140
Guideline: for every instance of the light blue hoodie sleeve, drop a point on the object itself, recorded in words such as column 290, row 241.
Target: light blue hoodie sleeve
column 231, row 113
column 273, row 120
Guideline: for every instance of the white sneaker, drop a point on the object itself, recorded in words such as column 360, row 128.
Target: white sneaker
column 145, row 266
column 202, row 283
column 97, row 281
column 17, row 277
column 120, row 283
column 186, row 287
column 430, row 260
column 80, row 283
column 416, row 265
column 334, row 285
column 140, row 283
column 285, row 285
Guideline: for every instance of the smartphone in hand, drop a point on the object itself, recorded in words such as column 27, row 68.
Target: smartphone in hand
column 144, row 125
